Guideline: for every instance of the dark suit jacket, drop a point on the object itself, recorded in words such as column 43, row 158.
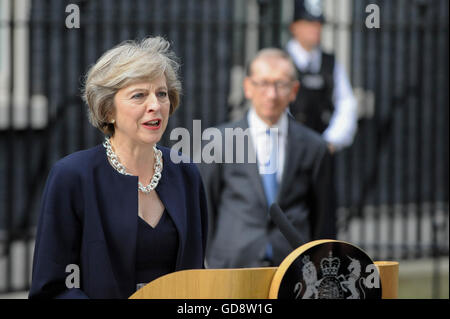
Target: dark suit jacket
column 240, row 225
column 89, row 218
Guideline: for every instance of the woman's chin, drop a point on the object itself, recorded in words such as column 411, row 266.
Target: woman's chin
column 152, row 139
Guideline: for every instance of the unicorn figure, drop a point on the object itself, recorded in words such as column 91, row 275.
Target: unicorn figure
column 355, row 272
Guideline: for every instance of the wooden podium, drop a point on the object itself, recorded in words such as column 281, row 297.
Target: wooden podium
column 245, row 283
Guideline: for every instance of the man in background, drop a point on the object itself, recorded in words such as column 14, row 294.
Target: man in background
column 240, row 194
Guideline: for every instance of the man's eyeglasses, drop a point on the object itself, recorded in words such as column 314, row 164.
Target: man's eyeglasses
column 280, row 86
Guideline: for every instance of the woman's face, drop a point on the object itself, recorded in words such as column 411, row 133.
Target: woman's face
column 142, row 111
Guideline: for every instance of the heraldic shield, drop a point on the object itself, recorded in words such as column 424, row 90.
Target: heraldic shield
column 327, row 269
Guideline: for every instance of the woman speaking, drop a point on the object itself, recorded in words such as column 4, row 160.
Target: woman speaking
column 121, row 214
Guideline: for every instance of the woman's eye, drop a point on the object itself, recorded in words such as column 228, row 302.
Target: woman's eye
column 162, row 94
column 138, row 96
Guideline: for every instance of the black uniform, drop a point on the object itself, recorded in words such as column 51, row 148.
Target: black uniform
column 314, row 104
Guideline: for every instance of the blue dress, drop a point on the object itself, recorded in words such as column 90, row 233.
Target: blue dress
column 156, row 249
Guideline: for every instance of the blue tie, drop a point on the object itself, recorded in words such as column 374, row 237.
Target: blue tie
column 270, row 177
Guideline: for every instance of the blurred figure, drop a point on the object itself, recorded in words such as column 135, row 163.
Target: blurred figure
column 325, row 100
column 122, row 213
column 291, row 168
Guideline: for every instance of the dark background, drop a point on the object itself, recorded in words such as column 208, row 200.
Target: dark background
column 392, row 182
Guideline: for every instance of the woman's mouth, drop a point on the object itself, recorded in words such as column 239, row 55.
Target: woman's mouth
column 153, row 124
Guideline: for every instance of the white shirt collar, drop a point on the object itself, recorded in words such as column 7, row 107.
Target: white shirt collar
column 302, row 58
column 258, row 131
column 258, row 125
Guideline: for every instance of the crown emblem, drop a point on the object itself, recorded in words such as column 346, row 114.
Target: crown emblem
column 330, row 265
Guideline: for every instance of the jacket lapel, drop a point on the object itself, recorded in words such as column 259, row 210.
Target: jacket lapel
column 167, row 190
column 293, row 153
column 251, row 169
column 119, row 195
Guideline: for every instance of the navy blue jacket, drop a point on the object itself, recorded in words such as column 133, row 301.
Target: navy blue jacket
column 89, row 217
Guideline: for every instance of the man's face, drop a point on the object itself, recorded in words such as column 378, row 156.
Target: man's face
column 270, row 87
column 308, row 33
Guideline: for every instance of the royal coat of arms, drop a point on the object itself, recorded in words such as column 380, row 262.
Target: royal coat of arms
column 334, row 282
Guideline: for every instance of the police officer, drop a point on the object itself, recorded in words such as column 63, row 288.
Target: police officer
column 325, row 100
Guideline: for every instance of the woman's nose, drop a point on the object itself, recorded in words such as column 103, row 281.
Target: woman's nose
column 152, row 103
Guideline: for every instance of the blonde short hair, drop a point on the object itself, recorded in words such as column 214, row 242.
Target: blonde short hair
column 123, row 65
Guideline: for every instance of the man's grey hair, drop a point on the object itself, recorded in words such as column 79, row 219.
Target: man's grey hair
column 270, row 53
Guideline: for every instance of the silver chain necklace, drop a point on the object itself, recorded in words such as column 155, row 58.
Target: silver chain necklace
column 122, row 170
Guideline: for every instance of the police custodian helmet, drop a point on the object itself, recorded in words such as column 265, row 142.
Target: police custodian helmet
column 311, row 10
